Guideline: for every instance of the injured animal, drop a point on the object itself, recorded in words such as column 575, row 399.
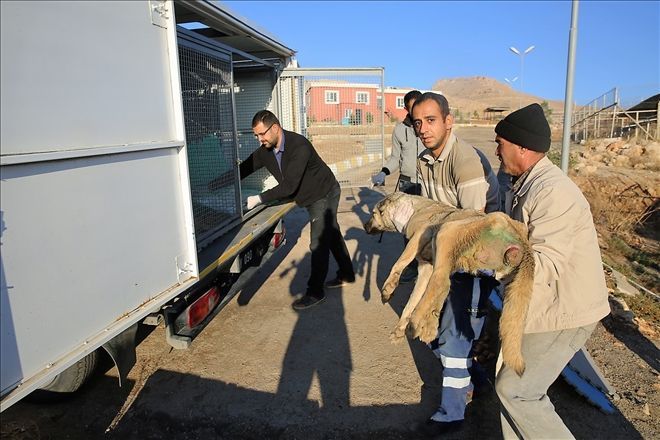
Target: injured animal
column 445, row 240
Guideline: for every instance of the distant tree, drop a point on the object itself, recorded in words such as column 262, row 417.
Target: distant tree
column 458, row 116
column 475, row 115
column 547, row 111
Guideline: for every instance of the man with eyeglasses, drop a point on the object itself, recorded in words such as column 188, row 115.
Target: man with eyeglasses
column 304, row 177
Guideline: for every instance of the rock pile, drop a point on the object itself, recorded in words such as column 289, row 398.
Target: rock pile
column 615, row 152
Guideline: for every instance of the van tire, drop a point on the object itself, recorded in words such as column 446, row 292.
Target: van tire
column 68, row 381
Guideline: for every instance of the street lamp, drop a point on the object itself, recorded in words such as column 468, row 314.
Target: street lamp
column 511, row 81
column 522, row 62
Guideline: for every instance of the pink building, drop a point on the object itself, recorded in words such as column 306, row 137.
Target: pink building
column 394, row 108
column 341, row 102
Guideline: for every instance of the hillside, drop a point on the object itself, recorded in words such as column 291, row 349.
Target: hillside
column 476, row 93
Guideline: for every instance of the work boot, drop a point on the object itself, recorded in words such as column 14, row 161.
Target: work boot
column 307, row 301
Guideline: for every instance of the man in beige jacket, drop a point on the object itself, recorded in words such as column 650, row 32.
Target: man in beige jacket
column 569, row 296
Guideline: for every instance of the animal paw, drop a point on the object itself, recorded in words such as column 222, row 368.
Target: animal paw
column 388, row 288
column 517, row 365
column 397, row 335
column 424, row 326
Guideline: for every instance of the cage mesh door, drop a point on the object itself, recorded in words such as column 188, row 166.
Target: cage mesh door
column 253, row 91
column 208, row 116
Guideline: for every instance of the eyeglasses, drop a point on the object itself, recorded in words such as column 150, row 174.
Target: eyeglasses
column 258, row 135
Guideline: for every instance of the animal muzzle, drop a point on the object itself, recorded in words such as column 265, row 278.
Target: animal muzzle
column 370, row 228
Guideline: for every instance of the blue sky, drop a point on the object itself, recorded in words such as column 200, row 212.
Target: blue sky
column 420, row 42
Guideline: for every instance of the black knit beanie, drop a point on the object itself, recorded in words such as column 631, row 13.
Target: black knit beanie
column 526, row 127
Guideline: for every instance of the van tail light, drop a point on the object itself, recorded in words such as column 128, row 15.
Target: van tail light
column 279, row 237
column 200, row 309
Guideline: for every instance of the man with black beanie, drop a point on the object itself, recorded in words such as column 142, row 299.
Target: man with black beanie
column 569, row 296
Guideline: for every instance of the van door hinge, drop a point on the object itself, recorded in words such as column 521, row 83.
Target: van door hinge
column 159, row 13
column 184, row 269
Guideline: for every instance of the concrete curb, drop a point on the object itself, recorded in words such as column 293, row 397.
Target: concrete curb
column 357, row 161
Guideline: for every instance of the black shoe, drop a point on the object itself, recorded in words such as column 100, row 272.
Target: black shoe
column 307, row 301
column 432, row 428
column 409, row 275
column 338, row 282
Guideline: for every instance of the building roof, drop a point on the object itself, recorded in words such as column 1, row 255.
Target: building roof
column 497, row 109
column 648, row 104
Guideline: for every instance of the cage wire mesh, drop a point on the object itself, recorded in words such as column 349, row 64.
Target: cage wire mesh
column 253, row 92
column 208, row 118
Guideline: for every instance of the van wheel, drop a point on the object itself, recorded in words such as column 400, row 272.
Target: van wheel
column 68, row 381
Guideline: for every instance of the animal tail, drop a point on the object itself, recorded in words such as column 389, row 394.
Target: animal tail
column 517, row 296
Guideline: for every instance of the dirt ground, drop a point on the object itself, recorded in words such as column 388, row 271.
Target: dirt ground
column 262, row 370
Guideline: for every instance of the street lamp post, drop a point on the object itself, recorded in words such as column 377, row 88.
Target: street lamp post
column 510, row 82
column 522, row 62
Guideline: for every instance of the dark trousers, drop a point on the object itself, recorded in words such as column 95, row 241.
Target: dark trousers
column 326, row 237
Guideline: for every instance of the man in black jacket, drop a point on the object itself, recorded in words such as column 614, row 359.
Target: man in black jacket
column 302, row 175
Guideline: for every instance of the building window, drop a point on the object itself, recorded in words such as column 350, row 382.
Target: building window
column 399, row 102
column 331, row 97
column 362, row 97
column 348, row 112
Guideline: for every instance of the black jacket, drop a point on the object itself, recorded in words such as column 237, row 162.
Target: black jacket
column 304, row 176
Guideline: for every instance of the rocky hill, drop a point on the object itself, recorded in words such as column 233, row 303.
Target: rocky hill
column 476, row 93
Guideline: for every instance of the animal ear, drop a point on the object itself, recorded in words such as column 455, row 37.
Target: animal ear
column 513, row 255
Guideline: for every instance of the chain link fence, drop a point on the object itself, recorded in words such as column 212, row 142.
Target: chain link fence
column 341, row 112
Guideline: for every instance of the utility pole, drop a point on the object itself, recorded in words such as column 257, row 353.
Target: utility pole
column 568, row 99
column 510, row 82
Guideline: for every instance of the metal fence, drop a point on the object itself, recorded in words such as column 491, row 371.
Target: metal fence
column 341, row 111
column 603, row 117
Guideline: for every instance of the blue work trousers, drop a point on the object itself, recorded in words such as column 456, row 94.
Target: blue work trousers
column 461, row 321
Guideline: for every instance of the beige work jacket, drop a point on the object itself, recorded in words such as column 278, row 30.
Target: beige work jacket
column 569, row 284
